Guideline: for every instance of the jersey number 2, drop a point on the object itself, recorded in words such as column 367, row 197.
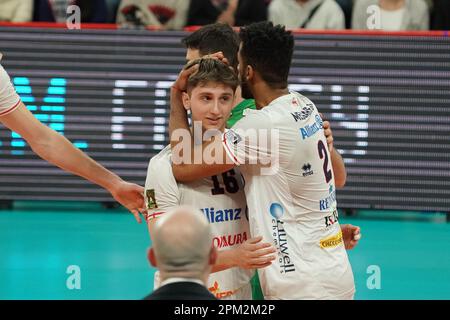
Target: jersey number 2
column 324, row 155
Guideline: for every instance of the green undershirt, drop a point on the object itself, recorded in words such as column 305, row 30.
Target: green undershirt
column 238, row 111
column 236, row 114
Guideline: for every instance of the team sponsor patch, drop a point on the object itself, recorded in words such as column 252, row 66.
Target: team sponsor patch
column 303, row 114
column 310, row 130
column 222, row 215
column 332, row 219
column 329, row 201
column 280, row 240
column 151, row 199
column 215, row 290
column 229, row 240
column 332, row 241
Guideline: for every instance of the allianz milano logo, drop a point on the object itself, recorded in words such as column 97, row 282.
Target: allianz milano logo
column 310, row 130
column 280, row 238
column 224, row 215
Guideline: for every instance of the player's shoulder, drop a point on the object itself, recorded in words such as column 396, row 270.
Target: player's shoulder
column 253, row 119
column 162, row 161
column 4, row 77
column 159, row 171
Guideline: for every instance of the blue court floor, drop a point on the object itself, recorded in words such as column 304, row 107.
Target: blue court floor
column 39, row 247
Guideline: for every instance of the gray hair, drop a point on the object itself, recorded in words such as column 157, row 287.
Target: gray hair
column 182, row 242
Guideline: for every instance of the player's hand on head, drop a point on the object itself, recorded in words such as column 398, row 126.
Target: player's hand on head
column 351, row 235
column 192, row 67
column 255, row 254
column 131, row 196
column 189, row 69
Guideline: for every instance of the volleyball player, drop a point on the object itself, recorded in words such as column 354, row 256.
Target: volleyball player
column 290, row 186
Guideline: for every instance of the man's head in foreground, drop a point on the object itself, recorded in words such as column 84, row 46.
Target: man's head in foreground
column 182, row 245
column 265, row 56
column 210, row 93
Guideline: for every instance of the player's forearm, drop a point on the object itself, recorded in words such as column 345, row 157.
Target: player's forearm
column 339, row 171
column 226, row 259
column 57, row 150
column 179, row 133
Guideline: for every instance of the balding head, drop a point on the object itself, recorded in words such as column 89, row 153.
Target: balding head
column 182, row 244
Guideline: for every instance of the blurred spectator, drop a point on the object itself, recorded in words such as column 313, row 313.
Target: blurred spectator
column 163, row 14
column 395, row 15
column 441, row 15
column 308, row 14
column 347, row 8
column 16, row 11
column 112, row 6
column 92, row 11
column 232, row 12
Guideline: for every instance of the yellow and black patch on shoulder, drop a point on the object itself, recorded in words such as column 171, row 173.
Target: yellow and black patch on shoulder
column 151, row 199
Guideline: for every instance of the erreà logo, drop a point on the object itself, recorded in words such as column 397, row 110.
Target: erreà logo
column 307, row 170
column 280, row 238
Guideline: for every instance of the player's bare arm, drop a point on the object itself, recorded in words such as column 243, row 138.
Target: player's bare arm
column 56, row 149
column 339, row 171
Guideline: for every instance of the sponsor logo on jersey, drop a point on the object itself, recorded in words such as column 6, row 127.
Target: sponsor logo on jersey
column 329, row 201
column 215, row 290
column 151, row 199
column 307, row 170
column 310, row 130
column 229, row 240
column 280, row 238
column 332, row 241
column 331, row 219
column 232, row 137
column 222, row 215
column 302, row 114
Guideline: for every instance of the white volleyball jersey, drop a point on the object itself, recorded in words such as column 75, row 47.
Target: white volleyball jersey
column 294, row 206
column 9, row 99
column 221, row 199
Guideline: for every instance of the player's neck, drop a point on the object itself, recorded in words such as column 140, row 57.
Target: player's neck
column 264, row 95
